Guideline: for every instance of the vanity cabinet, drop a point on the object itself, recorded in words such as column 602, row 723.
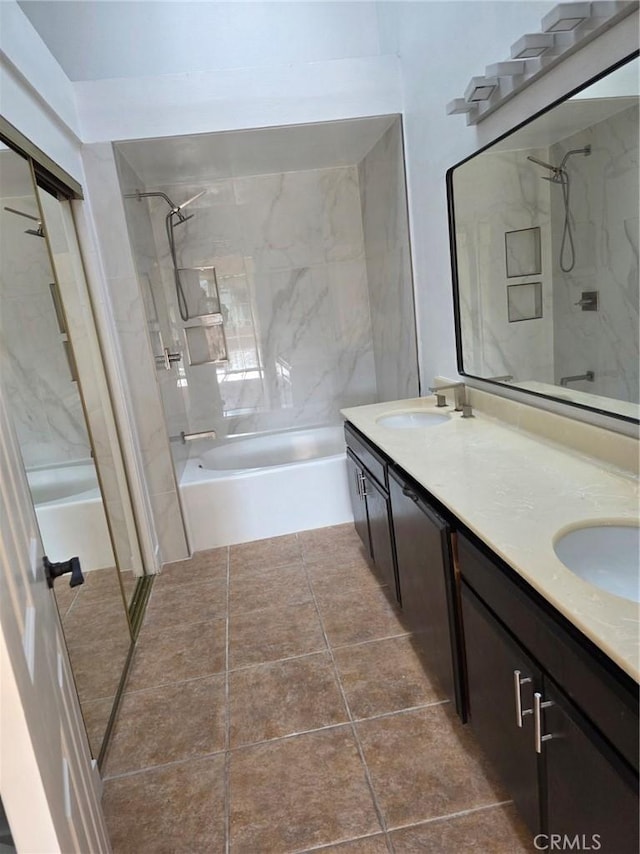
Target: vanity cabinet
column 355, row 475
column 560, row 727
column 368, row 487
column 426, row 580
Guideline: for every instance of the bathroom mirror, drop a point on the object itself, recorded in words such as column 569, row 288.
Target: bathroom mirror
column 544, row 240
column 40, row 375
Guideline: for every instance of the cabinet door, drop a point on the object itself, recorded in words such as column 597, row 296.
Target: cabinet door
column 425, row 579
column 355, row 478
column 379, row 512
column 589, row 791
column 497, row 706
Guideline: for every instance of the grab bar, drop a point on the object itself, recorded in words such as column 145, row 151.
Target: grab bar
column 191, row 437
column 564, row 381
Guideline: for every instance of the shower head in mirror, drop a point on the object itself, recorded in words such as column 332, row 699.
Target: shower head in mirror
column 36, row 232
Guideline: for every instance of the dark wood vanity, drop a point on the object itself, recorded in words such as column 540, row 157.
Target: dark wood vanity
column 557, row 718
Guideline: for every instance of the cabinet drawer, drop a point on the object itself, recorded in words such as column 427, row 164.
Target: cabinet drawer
column 605, row 694
column 370, row 458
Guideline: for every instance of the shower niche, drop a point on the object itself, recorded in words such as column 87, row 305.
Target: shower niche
column 281, row 290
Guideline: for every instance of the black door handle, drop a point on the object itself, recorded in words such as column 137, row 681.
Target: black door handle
column 55, row 570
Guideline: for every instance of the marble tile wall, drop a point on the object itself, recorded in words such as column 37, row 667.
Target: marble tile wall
column 126, row 306
column 498, row 193
column 604, row 205
column 46, row 406
column 289, row 254
column 388, row 260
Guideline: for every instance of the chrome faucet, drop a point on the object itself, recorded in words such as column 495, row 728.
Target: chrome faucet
column 460, row 398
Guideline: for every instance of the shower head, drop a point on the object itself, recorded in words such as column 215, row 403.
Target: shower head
column 542, row 163
column 192, row 199
column 36, row 232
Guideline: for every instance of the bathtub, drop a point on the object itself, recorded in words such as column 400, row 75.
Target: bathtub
column 245, row 489
column 70, row 514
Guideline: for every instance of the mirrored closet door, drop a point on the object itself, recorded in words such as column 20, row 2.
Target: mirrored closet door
column 40, row 371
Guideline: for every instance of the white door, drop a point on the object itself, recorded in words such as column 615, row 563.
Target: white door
column 49, row 789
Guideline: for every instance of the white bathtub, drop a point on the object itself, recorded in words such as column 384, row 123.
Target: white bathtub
column 70, row 514
column 264, row 486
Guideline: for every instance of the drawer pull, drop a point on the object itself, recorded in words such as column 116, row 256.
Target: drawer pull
column 538, row 705
column 518, row 681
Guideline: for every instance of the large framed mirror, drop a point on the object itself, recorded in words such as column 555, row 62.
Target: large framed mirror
column 544, row 242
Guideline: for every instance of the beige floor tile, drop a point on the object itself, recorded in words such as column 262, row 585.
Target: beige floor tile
column 192, row 603
column 425, row 764
column 366, row 845
column 185, row 651
column 209, row 565
column 295, row 793
column 96, row 714
column 497, row 830
column 175, row 810
column 384, row 676
column 284, row 697
column 340, row 574
column 352, row 616
column 333, row 538
column 276, row 586
column 167, row 724
column 275, row 551
column 274, row 633
column 98, row 661
column 65, row 596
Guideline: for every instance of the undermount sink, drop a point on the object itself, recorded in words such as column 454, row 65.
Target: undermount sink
column 411, row 419
column 607, row 556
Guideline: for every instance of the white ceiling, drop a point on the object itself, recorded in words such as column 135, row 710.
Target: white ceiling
column 96, row 39
column 291, row 148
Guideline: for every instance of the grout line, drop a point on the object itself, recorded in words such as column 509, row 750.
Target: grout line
column 171, row 764
column 330, row 846
column 227, row 721
column 342, row 646
column 452, row 815
column 336, row 725
column 354, row 732
column 175, row 682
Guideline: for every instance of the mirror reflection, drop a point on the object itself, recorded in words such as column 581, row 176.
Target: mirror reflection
column 39, row 374
column 546, row 235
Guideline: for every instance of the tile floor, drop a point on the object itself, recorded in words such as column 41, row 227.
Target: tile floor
column 277, row 704
column 96, row 631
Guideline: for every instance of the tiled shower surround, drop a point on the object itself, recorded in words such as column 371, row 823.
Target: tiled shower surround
column 45, row 403
column 277, row 704
column 604, row 192
column 289, row 254
column 314, row 274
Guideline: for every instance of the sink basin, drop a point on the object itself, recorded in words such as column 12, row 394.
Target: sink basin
column 607, row 556
column 409, row 420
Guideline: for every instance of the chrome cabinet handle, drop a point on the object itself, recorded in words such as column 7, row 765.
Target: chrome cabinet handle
column 363, row 485
column 538, row 705
column 518, row 681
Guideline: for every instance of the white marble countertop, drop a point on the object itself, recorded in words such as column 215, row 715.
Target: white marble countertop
column 518, row 493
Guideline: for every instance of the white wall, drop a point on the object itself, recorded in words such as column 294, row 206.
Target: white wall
column 148, row 39
column 35, row 94
column 441, row 46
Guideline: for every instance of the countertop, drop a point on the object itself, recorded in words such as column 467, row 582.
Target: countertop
column 518, row 493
